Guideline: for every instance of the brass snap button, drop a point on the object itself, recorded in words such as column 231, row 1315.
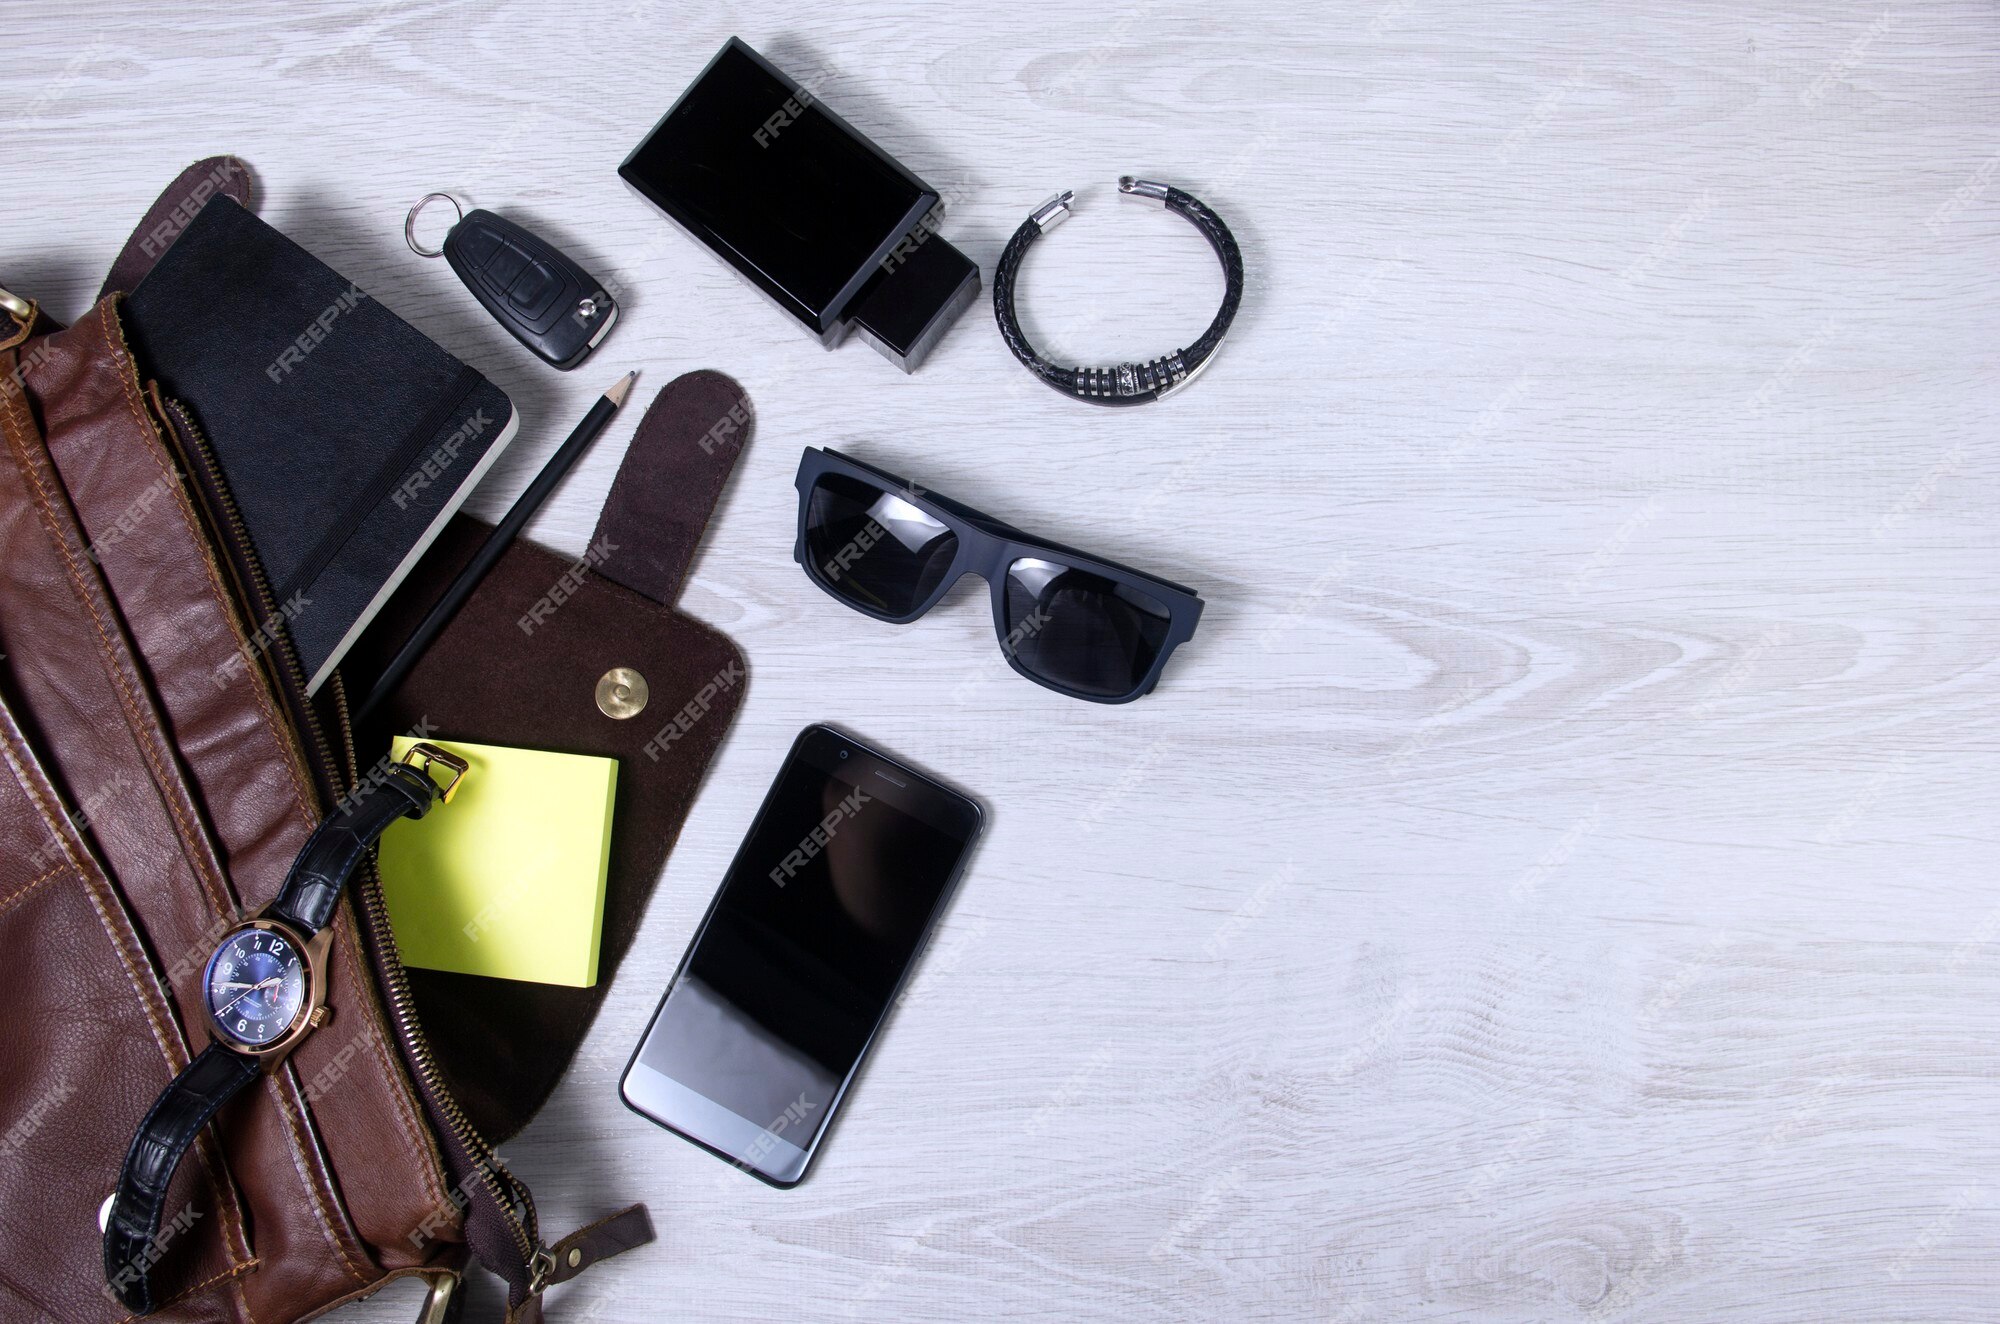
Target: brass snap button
column 621, row 693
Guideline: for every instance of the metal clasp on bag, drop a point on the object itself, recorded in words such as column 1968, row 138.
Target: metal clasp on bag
column 539, row 1268
column 430, row 755
column 22, row 311
column 437, row 1306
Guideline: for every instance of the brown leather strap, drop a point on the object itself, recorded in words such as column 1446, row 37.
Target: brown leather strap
column 156, row 232
column 669, row 481
column 629, row 1227
column 170, row 214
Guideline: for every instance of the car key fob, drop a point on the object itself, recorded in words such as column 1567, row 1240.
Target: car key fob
column 531, row 287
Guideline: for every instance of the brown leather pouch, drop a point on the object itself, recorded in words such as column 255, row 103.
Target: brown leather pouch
column 154, row 788
column 525, row 662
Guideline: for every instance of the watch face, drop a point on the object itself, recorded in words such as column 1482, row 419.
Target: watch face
column 256, row 985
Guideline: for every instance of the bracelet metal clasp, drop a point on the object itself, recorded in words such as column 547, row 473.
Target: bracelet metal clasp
column 1054, row 212
column 1143, row 190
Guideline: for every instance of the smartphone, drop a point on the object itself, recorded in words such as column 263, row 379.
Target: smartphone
column 830, row 898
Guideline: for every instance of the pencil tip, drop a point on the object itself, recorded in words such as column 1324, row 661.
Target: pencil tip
column 616, row 395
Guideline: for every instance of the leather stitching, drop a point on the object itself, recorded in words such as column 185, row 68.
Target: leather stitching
column 226, row 1195
column 303, row 1152
column 163, row 1038
column 120, row 351
column 160, row 1033
column 235, row 1271
column 7, row 903
column 44, row 504
column 302, row 799
column 318, row 1186
column 128, row 379
column 49, row 820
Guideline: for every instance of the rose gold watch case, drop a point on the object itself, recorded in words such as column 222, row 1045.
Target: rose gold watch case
column 312, row 951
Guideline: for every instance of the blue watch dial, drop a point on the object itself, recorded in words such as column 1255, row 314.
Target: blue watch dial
column 256, row 985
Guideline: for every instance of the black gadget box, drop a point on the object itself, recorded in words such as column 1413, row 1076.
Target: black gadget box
column 830, row 227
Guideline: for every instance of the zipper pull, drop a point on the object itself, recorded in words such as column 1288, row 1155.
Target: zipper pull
column 540, row 1265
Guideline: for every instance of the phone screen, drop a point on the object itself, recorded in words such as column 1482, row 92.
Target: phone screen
column 822, row 913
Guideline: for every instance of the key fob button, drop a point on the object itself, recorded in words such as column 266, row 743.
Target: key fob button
column 501, row 269
column 477, row 246
column 533, row 289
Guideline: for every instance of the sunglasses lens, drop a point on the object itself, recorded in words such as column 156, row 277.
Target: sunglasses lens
column 1086, row 633
column 873, row 548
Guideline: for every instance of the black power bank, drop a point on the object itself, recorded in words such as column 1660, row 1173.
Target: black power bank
column 831, row 228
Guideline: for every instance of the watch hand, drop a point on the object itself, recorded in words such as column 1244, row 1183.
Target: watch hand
column 261, row 984
column 231, row 1007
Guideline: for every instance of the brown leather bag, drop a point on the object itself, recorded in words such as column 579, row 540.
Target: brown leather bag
column 153, row 790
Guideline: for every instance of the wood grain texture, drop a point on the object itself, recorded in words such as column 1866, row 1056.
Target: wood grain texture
column 1555, row 884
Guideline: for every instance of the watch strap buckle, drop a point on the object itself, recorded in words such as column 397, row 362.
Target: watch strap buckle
column 423, row 756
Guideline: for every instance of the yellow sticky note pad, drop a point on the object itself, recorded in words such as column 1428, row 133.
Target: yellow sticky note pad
column 508, row 879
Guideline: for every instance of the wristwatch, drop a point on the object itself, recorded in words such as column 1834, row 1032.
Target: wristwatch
column 264, row 990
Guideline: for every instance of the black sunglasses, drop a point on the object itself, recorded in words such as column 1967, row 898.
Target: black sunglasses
column 1081, row 625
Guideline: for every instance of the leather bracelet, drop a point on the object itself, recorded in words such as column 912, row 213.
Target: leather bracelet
column 1126, row 383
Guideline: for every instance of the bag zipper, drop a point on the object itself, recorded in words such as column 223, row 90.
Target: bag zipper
column 515, row 1204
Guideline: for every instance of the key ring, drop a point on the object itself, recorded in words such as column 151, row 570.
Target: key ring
column 410, row 221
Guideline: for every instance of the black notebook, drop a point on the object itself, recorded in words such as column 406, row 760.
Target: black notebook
column 346, row 436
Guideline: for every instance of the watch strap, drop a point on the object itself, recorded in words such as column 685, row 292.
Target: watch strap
column 131, row 1232
column 311, row 891
column 338, row 845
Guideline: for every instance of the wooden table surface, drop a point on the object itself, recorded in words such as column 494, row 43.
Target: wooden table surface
column 1555, row 883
